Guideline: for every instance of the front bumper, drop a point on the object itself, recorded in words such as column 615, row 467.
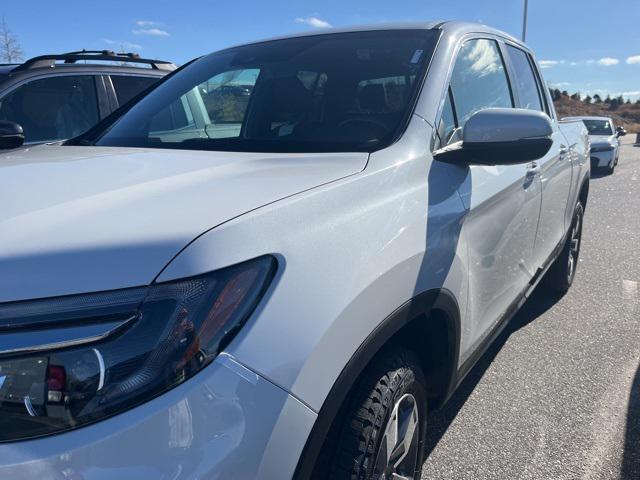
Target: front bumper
column 602, row 159
column 226, row 422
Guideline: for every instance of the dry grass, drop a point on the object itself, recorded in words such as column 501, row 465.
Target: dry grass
column 627, row 115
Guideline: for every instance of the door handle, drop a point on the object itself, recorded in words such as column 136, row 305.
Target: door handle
column 533, row 169
column 563, row 150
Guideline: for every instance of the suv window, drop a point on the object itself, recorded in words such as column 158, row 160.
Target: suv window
column 524, row 80
column 52, row 108
column 128, row 86
column 337, row 92
column 479, row 79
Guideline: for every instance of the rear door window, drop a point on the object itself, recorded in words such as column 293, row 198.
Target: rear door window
column 128, row 86
column 53, row 108
column 524, row 80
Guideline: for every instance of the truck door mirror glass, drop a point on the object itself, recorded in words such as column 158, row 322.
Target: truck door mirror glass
column 501, row 136
column 11, row 135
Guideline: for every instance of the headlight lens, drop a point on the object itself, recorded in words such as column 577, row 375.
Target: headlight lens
column 69, row 361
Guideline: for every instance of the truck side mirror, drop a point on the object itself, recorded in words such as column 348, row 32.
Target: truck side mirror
column 11, row 135
column 501, row 136
column 620, row 132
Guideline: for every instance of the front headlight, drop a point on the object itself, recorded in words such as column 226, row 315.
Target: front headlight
column 69, row 361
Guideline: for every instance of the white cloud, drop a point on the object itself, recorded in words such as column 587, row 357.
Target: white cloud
column 550, row 63
column 314, row 22
column 147, row 23
column 560, row 84
column 632, row 93
column 608, row 61
column 123, row 45
column 633, row 60
column 155, row 32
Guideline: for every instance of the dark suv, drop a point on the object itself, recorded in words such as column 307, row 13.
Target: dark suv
column 55, row 97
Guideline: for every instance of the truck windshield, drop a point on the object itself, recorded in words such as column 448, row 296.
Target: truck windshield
column 598, row 127
column 333, row 92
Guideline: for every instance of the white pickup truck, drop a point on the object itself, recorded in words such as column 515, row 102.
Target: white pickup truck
column 274, row 263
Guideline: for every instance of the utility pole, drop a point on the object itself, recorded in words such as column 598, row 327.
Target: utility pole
column 524, row 21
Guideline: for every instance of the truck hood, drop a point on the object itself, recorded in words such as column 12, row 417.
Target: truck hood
column 84, row 219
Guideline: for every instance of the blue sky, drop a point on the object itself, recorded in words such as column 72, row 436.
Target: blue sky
column 585, row 45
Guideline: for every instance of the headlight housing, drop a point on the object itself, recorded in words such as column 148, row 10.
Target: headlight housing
column 69, row 361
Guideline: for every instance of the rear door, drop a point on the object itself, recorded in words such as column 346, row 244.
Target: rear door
column 503, row 202
column 554, row 169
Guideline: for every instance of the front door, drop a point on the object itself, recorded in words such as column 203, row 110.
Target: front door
column 502, row 202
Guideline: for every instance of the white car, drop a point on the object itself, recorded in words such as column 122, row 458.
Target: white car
column 277, row 261
column 605, row 143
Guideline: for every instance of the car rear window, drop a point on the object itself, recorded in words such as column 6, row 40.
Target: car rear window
column 333, row 92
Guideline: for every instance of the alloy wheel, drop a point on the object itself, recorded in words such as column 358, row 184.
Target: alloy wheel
column 574, row 246
column 397, row 455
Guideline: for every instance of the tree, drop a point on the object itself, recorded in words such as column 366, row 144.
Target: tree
column 10, row 49
column 575, row 96
column 597, row 98
column 614, row 103
column 608, row 99
column 565, row 93
column 587, row 100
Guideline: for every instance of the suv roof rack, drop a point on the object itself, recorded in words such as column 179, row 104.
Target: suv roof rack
column 102, row 55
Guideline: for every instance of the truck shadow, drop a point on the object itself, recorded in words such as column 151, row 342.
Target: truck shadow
column 631, row 455
column 538, row 303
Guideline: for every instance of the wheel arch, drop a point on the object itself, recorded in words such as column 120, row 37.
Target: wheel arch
column 424, row 321
column 583, row 192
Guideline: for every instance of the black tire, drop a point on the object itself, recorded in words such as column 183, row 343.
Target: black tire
column 391, row 392
column 561, row 274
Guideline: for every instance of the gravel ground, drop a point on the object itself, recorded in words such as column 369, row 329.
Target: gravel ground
column 558, row 395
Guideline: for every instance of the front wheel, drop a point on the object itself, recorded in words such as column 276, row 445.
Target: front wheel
column 561, row 274
column 382, row 437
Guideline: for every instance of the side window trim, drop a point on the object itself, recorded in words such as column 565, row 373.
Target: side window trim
column 102, row 91
column 509, row 72
column 111, row 92
column 543, row 99
column 544, row 91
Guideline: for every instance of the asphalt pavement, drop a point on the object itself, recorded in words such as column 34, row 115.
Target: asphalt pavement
column 558, row 394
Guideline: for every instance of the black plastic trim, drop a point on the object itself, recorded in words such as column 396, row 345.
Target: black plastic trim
column 422, row 304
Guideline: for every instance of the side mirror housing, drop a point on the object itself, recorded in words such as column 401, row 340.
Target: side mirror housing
column 620, row 132
column 501, row 136
column 11, row 135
